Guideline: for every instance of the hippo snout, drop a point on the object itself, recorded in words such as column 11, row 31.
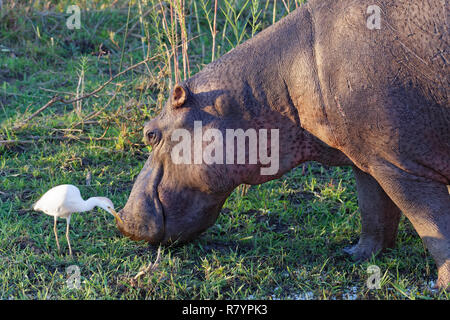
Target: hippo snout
column 142, row 222
column 159, row 211
column 143, row 215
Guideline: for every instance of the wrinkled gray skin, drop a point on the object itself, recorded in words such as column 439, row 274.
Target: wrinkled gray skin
column 340, row 94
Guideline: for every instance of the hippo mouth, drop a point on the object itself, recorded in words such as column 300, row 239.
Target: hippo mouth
column 143, row 216
column 161, row 213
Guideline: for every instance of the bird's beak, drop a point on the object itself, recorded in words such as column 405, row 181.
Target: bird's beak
column 116, row 215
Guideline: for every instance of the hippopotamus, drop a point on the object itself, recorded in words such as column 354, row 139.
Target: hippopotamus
column 344, row 83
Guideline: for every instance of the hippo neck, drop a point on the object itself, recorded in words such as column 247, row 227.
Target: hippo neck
column 273, row 80
column 275, row 72
column 259, row 72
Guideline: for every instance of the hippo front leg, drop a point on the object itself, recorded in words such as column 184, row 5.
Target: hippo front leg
column 379, row 218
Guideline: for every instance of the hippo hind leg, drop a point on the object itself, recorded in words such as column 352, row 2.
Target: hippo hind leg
column 379, row 218
column 426, row 203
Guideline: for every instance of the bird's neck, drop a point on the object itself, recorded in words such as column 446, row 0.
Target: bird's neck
column 90, row 203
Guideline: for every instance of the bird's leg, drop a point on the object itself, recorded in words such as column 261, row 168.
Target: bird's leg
column 56, row 234
column 67, row 235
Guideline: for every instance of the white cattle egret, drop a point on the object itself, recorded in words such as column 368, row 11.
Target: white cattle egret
column 63, row 200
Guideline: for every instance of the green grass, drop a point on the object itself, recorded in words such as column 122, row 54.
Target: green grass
column 282, row 240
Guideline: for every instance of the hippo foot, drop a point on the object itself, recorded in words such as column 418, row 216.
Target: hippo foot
column 363, row 250
column 442, row 284
column 443, row 281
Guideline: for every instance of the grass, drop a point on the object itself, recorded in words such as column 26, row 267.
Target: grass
column 281, row 240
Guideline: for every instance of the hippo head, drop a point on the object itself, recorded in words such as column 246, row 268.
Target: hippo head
column 194, row 166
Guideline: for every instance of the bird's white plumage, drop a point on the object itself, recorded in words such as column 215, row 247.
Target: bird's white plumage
column 63, row 200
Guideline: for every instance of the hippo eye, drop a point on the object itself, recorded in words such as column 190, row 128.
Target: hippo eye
column 152, row 137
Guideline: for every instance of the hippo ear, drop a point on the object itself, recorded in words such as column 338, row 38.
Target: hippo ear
column 179, row 96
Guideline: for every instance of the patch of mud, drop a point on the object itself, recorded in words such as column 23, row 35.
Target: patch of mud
column 25, row 242
column 298, row 197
